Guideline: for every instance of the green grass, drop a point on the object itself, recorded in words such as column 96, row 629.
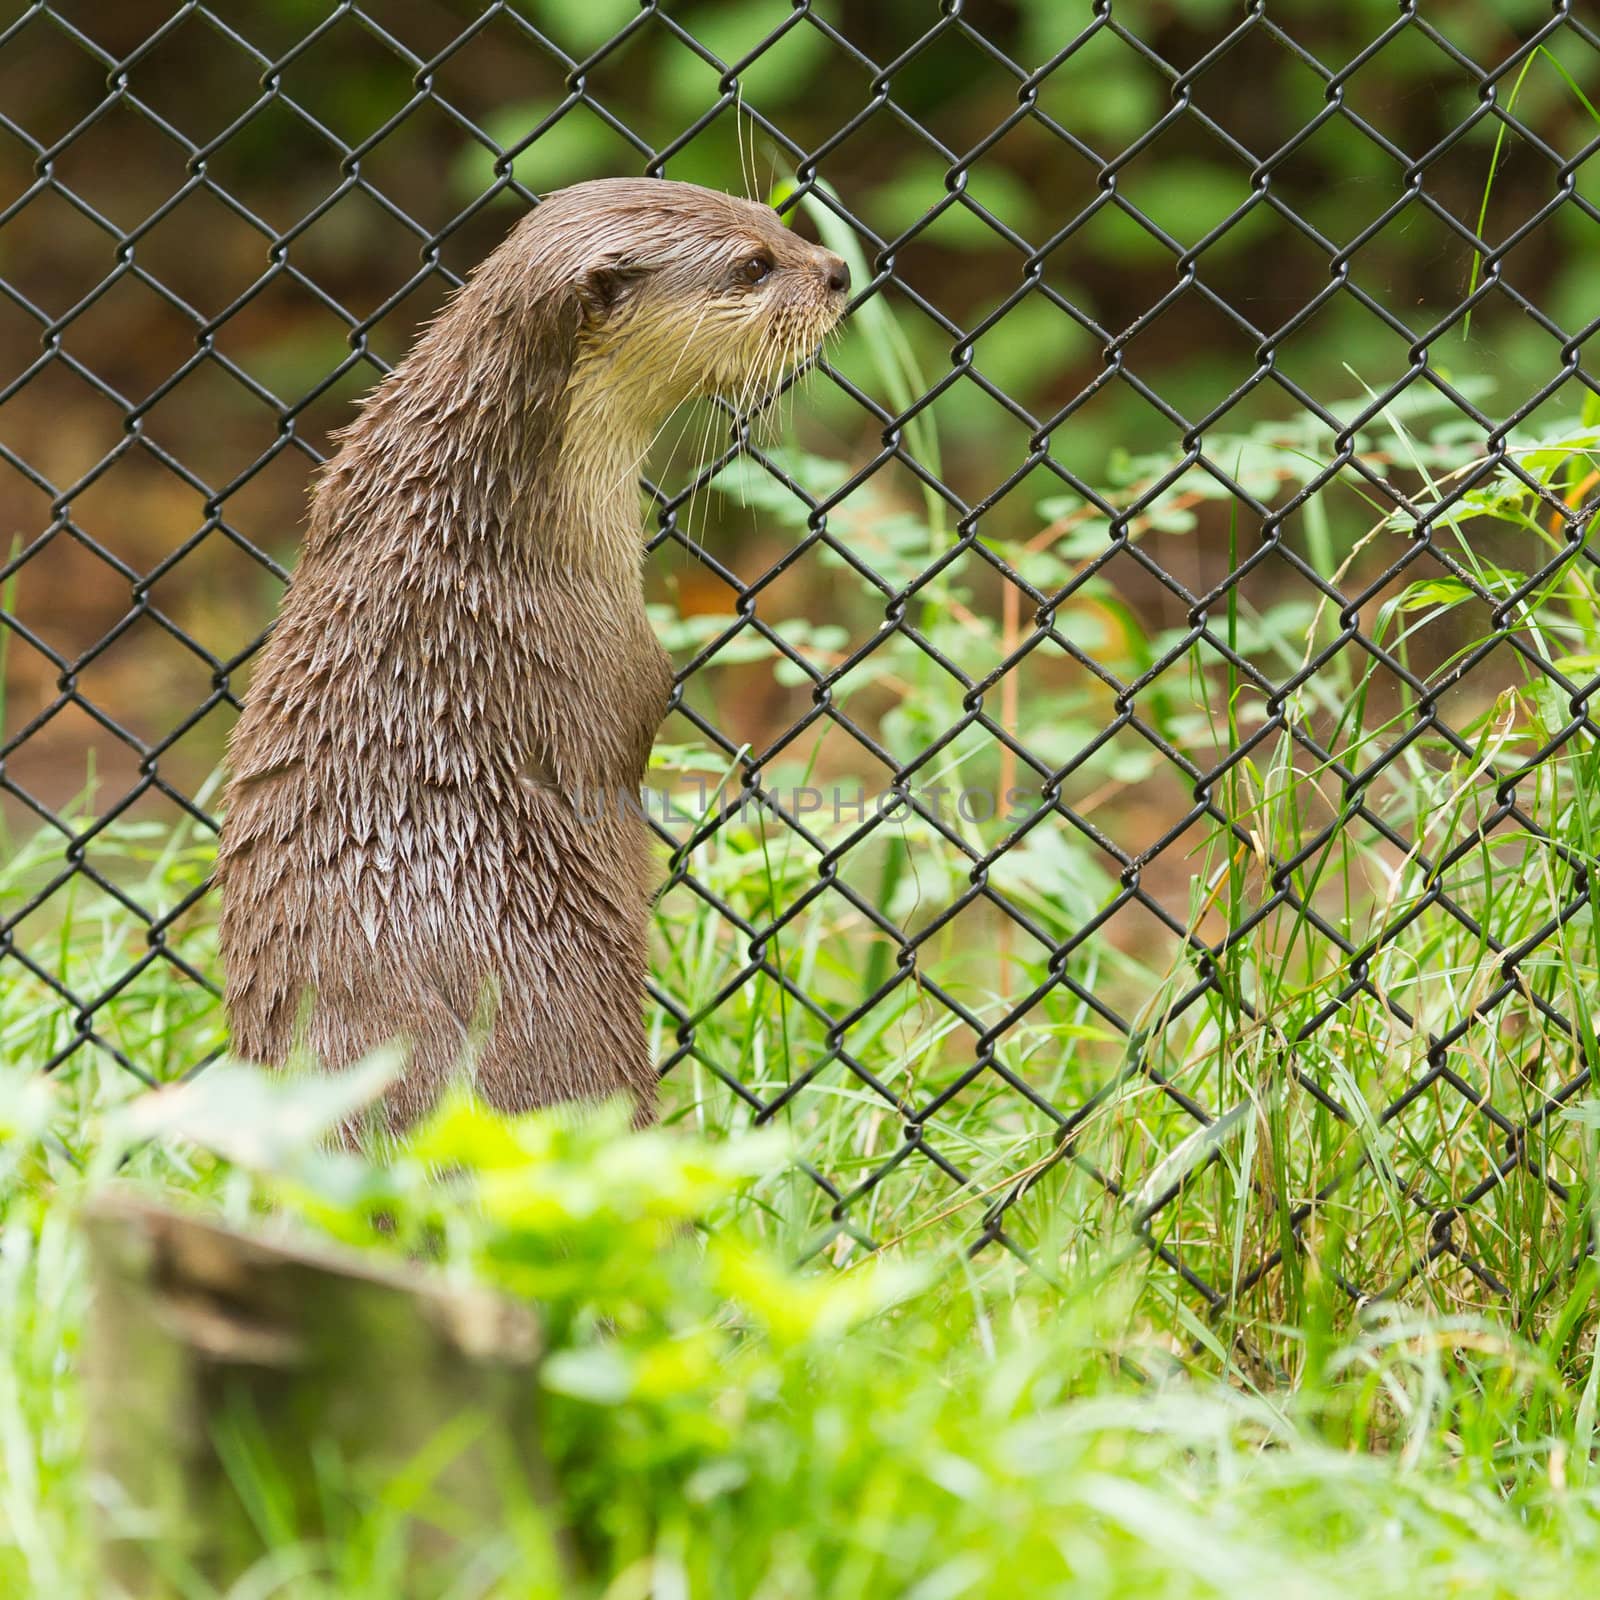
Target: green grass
column 721, row 1426
column 1413, row 862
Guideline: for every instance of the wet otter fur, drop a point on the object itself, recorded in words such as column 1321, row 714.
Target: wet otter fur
column 411, row 848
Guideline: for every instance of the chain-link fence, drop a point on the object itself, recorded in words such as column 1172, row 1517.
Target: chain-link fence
column 1133, row 743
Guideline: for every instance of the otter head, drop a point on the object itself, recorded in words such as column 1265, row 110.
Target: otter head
column 686, row 291
column 625, row 297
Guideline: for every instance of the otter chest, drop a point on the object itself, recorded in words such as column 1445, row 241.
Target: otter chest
column 588, row 689
column 635, row 685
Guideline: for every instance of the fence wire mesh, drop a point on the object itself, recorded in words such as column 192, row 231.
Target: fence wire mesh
column 1164, row 675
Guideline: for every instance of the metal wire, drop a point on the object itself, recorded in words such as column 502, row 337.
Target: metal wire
column 1202, row 599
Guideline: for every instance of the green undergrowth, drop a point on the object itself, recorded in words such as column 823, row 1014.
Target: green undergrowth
column 718, row 1423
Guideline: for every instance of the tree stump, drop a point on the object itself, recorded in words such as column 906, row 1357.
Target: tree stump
column 238, row 1388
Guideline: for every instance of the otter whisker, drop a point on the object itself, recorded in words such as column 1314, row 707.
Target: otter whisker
column 700, row 420
column 686, row 400
column 687, row 345
column 699, row 478
column 772, row 419
column 778, row 381
column 754, row 397
column 749, row 408
column 752, row 408
column 748, row 179
column 772, row 411
column 788, row 375
column 803, row 352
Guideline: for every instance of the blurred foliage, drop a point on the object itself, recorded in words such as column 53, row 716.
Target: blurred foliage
column 719, row 1423
column 500, row 119
column 238, row 331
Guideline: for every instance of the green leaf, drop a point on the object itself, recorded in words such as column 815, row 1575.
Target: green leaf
column 920, row 185
column 264, row 1121
column 780, row 74
column 578, row 26
column 599, row 1374
column 1435, row 592
column 794, row 1308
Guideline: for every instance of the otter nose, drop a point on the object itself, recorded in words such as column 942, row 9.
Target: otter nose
column 838, row 274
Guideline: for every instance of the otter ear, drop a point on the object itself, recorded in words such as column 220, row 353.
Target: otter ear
column 602, row 288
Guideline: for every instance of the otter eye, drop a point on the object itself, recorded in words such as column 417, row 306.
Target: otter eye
column 756, row 268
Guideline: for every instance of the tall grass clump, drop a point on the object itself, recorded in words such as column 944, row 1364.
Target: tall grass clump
column 1275, row 957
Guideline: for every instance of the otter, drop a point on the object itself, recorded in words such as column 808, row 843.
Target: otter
column 410, row 848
